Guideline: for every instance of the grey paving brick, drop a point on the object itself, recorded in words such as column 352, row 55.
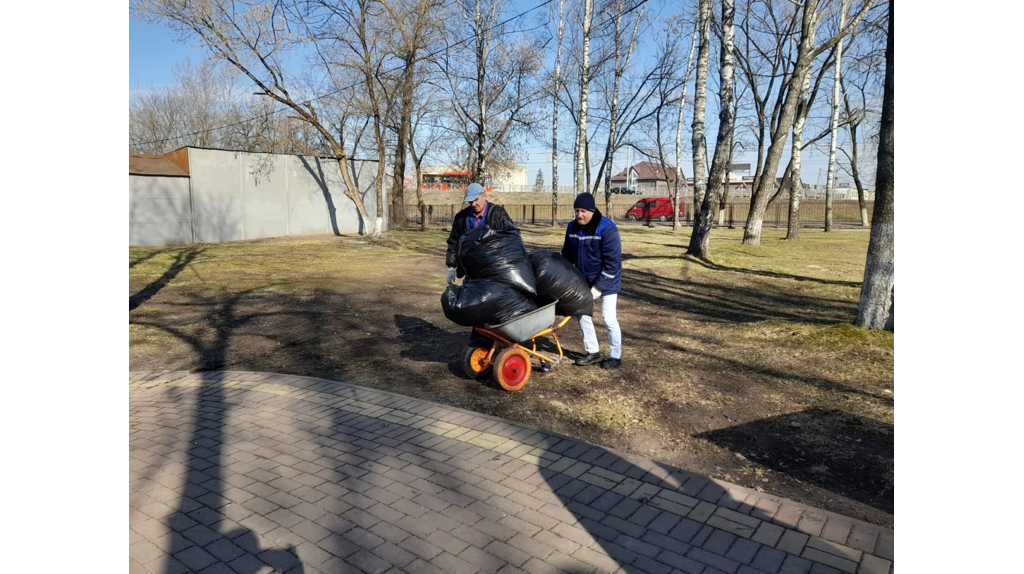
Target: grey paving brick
column 453, row 565
column 680, row 562
column 768, row 534
column 863, row 537
column 795, row 565
column 719, row 542
column 768, row 559
column 484, row 561
column 871, row 564
column 812, row 523
column 743, row 551
column 420, row 547
column 886, row 545
column 447, row 542
column 714, row 560
column 792, row 542
column 394, row 554
column 368, row 563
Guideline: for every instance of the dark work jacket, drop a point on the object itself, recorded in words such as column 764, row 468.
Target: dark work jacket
column 495, row 217
column 596, row 250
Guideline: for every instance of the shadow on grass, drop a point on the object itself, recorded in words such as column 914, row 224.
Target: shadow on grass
column 840, row 452
column 734, row 304
column 180, row 263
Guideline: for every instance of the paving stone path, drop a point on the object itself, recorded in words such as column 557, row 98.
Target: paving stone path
column 240, row 472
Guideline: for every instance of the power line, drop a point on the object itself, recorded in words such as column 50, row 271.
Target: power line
column 356, row 84
column 360, row 82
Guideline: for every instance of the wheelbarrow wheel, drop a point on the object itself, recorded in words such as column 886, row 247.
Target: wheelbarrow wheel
column 473, row 360
column 512, row 369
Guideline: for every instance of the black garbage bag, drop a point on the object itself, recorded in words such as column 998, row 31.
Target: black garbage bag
column 479, row 302
column 557, row 278
column 486, row 253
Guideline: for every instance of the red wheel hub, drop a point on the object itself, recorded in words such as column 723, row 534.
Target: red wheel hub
column 514, row 370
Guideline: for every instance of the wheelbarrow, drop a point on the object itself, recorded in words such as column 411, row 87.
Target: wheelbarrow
column 512, row 344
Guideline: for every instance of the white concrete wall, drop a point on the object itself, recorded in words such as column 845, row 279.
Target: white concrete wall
column 158, row 211
column 240, row 195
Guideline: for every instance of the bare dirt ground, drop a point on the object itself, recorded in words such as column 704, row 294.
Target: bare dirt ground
column 738, row 368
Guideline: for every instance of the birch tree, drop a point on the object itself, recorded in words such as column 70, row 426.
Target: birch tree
column 623, row 55
column 703, row 32
column 877, row 297
column 680, row 177
column 253, row 38
column 807, row 51
column 581, row 155
column 830, row 180
column 556, row 86
column 701, row 235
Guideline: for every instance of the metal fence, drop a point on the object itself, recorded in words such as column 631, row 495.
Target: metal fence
column 812, row 213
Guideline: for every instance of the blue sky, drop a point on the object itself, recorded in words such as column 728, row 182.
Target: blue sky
column 152, row 55
column 153, row 52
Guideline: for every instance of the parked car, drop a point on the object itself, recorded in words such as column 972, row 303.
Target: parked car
column 623, row 190
column 659, row 208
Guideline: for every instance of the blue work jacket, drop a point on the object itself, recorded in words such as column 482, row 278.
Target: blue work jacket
column 596, row 250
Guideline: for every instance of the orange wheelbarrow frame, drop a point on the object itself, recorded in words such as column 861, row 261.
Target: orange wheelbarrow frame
column 510, row 359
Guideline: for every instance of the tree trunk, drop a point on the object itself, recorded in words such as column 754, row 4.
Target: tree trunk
column 877, row 296
column 554, row 114
column 806, row 53
column 796, row 188
column 854, row 169
column 703, row 28
column 701, row 236
column 680, row 178
column 582, row 183
column 830, row 182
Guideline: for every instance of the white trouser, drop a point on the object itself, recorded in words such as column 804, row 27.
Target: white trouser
column 611, row 321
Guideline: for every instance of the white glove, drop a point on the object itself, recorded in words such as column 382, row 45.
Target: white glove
column 451, row 275
column 595, row 292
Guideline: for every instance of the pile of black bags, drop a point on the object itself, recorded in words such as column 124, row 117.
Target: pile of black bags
column 503, row 281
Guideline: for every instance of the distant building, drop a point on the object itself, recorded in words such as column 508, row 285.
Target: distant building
column 647, row 178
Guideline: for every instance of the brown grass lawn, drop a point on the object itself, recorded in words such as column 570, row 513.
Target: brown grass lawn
column 744, row 367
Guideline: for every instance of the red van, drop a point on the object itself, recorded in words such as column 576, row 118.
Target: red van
column 659, row 208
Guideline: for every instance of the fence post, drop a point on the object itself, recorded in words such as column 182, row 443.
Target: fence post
column 533, row 214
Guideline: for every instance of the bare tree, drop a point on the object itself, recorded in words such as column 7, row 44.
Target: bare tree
column 621, row 59
column 877, row 296
column 417, row 26
column 807, row 51
column 253, row 38
column 680, row 177
column 703, row 31
column 503, row 77
column 581, row 156
column 830, row 181
column 726, row 121
column 555, row 87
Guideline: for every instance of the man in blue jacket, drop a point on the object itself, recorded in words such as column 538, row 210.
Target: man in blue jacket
column 592, row 244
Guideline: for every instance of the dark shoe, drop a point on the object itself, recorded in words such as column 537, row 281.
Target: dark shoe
column 588, row 359
column 545, row 367
column 610, row 363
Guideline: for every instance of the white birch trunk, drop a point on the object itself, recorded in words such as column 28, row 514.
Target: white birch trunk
column 680, row 178
column 796, row 187
column 702, row 27
column 830, row 182
column 581, row 130
column 554, row 114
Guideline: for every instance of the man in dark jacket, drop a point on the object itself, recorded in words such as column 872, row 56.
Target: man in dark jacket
column 479, row 212
column 592, row 244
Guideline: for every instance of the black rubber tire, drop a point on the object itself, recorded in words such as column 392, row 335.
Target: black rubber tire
column 632, row 217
